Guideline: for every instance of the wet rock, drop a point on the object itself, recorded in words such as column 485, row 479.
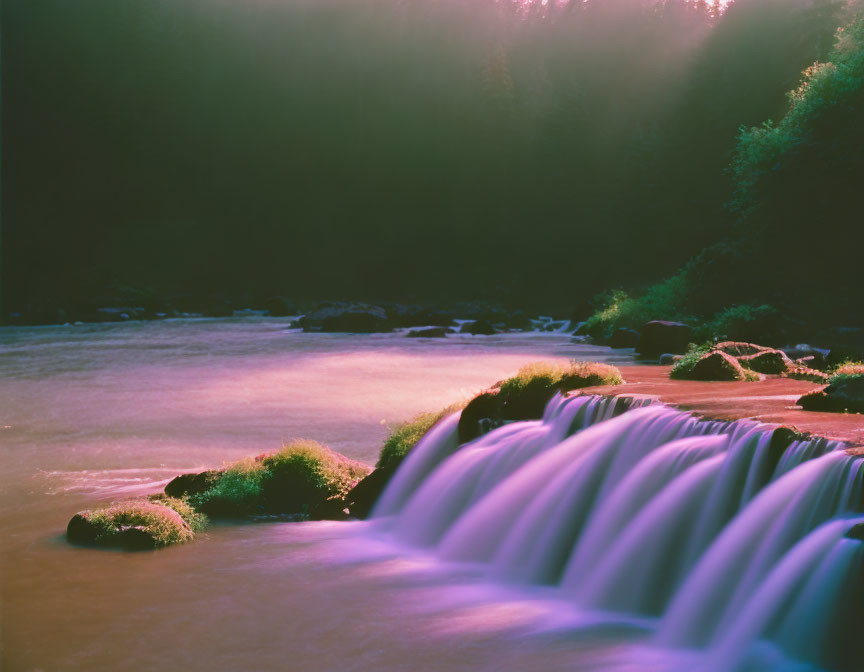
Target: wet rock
column 330, row 509
column 430, row 332
column 624, row 338
column 134, row 538
column 191, row 484
column 482, row 412
column 351, row 318
column 843, row 395
column 81, row 530
column 660, row 336
column 717, row 365
column 361, row 499
column 668, row 359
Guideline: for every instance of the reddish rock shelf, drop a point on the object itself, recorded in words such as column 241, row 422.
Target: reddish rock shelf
column 771, row 400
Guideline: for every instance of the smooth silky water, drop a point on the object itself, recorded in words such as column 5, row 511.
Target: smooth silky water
column 92, row 413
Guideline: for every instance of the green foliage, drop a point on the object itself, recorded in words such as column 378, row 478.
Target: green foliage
column 405, row 435
column 663, row 301
column 237, row 490
column 683, row 368
column 167, row 521
column 562, row 377
column 296, row 479
column 824, row 85
column 749, row 323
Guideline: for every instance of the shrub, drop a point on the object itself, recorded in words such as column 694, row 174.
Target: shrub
column 405, row 435
column 762, row 323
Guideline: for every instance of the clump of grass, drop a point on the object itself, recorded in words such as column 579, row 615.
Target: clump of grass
column 405, row 435
column 296, row 479
column 561, row 377
column 683, row 368
column 686, row 367
column 165, row 521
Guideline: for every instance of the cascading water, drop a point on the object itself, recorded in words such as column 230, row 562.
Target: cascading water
column 731, row 540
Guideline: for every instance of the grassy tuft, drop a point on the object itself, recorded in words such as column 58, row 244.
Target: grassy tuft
column 683, row 368
column 405, row 435
column 296, row 479
column 161, row 520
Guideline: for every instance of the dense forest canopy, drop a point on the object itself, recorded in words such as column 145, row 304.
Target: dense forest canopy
column 426, row 151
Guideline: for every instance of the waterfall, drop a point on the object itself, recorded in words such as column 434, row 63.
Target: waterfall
column 728, row 538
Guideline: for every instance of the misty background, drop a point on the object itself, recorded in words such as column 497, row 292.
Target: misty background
column 432, row 150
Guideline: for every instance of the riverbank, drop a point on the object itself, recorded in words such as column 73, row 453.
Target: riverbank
column 772, row 400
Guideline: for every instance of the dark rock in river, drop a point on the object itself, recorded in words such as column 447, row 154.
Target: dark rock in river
column 81, row 530
column 430, row 332
column 482, row 411
column 624, row 338
column 351, row 318
column 191, row 484
column 767, row 361
column 717, row 365
column 659, row 336
column 843, row 395
column 361, row 499
column 330, row 509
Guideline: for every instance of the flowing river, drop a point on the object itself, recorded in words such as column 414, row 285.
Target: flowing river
column 99, row 412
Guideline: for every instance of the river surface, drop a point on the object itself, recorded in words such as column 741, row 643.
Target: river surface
column 93, row 413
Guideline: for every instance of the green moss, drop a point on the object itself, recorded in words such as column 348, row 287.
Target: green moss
column 848, row 368
column 405, row 435
column 297, row 479
column 561, row 377
column 165, row 520
column 683, row 368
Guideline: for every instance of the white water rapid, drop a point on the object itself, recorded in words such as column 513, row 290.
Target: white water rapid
column 734, row 544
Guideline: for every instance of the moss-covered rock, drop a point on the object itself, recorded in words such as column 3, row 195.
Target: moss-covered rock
column 798, row 372
column 405, row 435
column 137, row 524
column 717, row 365
column 191, row 484
column 298, row 479
column 844, row 394
column 767, row 361
column 361, row 499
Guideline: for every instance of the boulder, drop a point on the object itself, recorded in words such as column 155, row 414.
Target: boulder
column 351, row 318
column 420, row 316
column 624, row 338
column 191, row 484
column 660, row 336
column 767, row 361
column 478, row 328
column 429, row 332
column 843, row 395
column 717, row 365
column 805, row 355
column 479, row 415
column 668, row 359
column 330, row 509
column 81, row 530
column 361, row 499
